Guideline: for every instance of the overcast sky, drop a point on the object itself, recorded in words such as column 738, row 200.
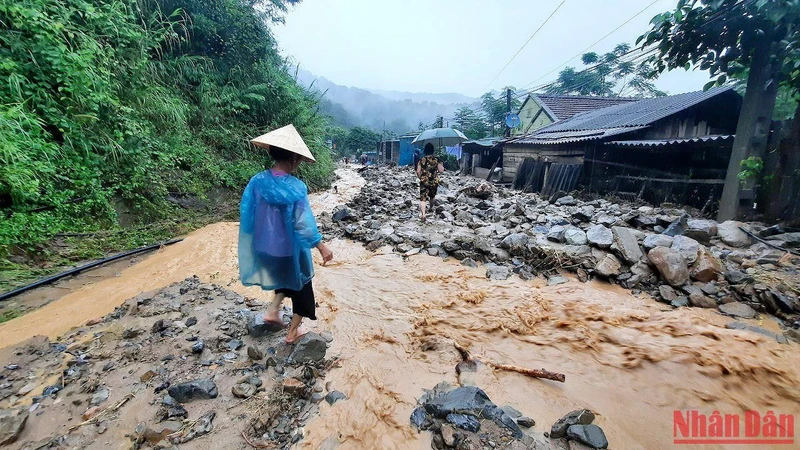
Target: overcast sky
column 459, row 45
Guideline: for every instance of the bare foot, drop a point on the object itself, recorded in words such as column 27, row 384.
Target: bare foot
column 293, row 337
column 273, row 317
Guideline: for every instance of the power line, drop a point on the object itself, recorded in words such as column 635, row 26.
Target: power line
column 529, row 39
column 597, row 42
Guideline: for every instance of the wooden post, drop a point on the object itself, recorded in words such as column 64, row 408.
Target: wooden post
column 752, row 130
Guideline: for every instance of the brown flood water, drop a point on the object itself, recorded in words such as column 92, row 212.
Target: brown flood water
column 632, row 360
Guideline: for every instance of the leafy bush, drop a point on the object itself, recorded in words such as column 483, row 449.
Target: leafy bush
column 126, row 101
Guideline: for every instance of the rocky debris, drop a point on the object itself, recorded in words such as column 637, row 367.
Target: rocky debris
column 511, row 232
column 100, row 396
column 730, row 233
column 577, row 417
column 202, row 426
column 600, row 236
column 590, row 435
column 670, row 265
column 202, row 389
column 12, row 422
column 254, row 353
column 739, row 310
column 526, row 422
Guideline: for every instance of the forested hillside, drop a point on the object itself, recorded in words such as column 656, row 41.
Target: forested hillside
column 119, row 107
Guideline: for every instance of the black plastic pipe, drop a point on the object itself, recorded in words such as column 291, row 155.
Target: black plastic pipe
column 77, row 270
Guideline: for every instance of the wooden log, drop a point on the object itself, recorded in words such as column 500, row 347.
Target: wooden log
column 535, row 373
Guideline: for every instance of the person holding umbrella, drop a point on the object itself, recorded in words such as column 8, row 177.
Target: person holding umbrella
column 277, row 230
column 428, row 170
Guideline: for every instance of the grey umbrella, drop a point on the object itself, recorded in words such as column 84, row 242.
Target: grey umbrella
column 440, row 137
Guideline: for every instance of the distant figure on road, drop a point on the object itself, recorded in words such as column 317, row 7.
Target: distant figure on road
column 278, row 231
column 428, row 170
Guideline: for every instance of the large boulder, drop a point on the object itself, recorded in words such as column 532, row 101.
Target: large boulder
column 497, row 272
column 788, row 239
column 670, row 264
column 626, row 244
column 590, row 435
column 608, row 266
column 515, row 243
column 578, row 417
column 575, row 236
column 600, row 236
column 556, row 233
column 738, row 309
column 730, row 233
column 12, row 421
column 706, row 268
column 257, row 327
column 202, row 389
column 701, row 230
column 687, row 247
column 310, row 348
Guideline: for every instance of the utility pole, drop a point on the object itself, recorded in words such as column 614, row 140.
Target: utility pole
column 508, row 110
column 752, row 130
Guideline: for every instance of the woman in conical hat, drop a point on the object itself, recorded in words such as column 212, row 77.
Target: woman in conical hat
column 278, row 230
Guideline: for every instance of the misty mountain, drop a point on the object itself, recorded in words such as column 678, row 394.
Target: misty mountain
column 394, row 111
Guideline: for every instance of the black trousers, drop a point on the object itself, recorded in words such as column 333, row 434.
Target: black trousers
column 303, row 301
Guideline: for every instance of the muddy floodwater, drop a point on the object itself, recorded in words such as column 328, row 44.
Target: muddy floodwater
column 630, row 359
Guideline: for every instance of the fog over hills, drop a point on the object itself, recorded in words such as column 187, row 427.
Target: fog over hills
column 394, row 111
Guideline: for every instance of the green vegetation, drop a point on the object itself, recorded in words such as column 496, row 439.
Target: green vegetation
column 612, row 75
column 8, row 314
column 110, row 108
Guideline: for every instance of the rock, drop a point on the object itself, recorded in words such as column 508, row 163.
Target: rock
column 254, row 353
column 419, row 418
column 667, row 293
column 198, row 347
column 677, row 227
column 607, row 220
column 701, row 301
column 191, row 321
column 12, row 422
column 257, row 327
column 556, row 233
column 706, row 268
column 584, row 213
column 578, row 417
column 327, row 335
column 556, row 280
column 27, row 389
column 243, row 390
column 790, row 240
column 467, row 399
column 738, row 310
column 296, row 387
column 680, row 302
column 310, row 348
column 201, row 389
column 497, row 272
column 202, row 426
column 626, row 244
column 342, row 214
column 701, row 230
column 334, row 396
column 687, row 247
column 575, row 236
column 730, row 234
column 526, row 422
column 608, row 266
column 591, row 435
column 469, row 262
column 657, row 240
column 738, row 277
column 235, row 344
column 160, row 325
column 781, row 339
column 567, row 200
column 514, row 242
column 511, row 412
column 600, row 236
column 100, row 396
column 449, row 435
column 465, row 422
column 670, row 265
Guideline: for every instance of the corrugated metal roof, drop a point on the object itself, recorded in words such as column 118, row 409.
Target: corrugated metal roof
column 567, row 137
column 661, row 142
column 485, row 142
column 633, row 114
column 563, row 107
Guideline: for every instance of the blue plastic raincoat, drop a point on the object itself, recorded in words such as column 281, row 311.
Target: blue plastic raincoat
column 276, row 233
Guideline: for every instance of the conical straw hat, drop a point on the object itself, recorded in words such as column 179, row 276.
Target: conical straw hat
column 286, row 138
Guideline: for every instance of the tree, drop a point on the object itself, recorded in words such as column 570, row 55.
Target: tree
column 727, row 38
column 495, row 110
column 360, row 140
column 608, row 75
column 469, row 123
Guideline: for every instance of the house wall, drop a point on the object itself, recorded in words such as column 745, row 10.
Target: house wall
column 513, row 154
column 532, row 117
